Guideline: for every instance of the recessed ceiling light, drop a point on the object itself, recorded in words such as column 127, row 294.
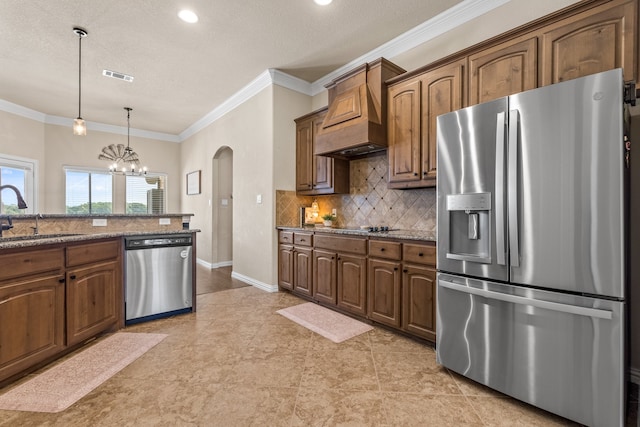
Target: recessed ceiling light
column 323, row 2
column 190, row 16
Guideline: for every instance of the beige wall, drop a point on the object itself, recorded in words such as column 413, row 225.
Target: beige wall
column 258, row 136
column 22, row 137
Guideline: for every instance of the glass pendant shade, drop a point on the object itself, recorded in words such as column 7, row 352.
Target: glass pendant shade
column 79, row 127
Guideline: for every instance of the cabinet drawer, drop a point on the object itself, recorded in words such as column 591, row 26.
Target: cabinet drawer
column 32, row 262
column 286, row 237
column 385, row 249
column 341, row 244
column 420, row 254
column 302, row 239
column 92, row 252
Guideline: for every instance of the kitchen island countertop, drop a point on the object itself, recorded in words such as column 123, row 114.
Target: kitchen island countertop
column 48, row 239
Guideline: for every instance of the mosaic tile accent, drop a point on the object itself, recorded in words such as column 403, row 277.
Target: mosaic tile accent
column 369, row 201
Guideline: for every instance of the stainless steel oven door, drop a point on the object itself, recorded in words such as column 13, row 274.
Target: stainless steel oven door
column 559, row 352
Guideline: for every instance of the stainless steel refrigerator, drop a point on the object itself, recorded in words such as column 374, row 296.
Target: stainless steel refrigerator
column 531, row 247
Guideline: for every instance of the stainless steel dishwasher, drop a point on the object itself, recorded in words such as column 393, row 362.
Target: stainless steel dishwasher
column 159, row 276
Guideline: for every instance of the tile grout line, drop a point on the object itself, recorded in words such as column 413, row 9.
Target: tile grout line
column 306, row 358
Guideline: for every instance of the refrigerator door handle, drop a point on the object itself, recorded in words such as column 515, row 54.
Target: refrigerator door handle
column 513, row 188
column 514, row 299
column 499, row 193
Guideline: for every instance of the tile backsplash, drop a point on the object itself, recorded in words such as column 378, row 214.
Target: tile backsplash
column 369, row 201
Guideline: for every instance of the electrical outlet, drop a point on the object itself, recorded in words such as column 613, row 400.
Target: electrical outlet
column 259, row 198
column 99, row 222
column 334, row 212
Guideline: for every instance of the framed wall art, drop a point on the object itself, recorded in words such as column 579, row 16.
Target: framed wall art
column 193, row 182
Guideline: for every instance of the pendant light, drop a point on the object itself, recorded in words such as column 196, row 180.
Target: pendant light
column 79, row 126
column 124, row 160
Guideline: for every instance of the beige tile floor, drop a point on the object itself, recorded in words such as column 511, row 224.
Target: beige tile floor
column 237, row 363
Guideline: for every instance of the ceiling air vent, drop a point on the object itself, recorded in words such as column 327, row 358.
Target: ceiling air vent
column 117, row 75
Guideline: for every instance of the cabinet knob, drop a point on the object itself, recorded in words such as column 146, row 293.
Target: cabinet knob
column 420, row 254
column 332, row 257
column 381, row 249
column 62, row 280
column 395, row 268
column 415, row 174
column 405, row 271
column 424, row 173
column 72, row 277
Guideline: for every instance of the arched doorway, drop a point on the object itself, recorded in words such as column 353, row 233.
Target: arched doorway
column 222, row 212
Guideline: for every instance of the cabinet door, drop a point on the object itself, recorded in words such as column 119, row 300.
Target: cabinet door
column 418, row 301
column 441, row 93
column 285, row 267
column 304, row 155
column 92, row 300
column 503, row 70
column 322, row 166
column 404, row 131
column 32, row 319
column 352, row 283
column 325, row 276
column 384, row 292
column 303, row 271
column 599, row 39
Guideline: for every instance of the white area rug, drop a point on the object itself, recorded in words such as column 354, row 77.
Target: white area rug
column 334, row 326
column 62, row 385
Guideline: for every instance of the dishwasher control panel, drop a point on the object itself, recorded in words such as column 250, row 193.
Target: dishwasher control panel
column 142, row 242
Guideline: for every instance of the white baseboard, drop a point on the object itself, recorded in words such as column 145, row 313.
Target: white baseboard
column 211, row 266
column 634, row 375
column 255, row 283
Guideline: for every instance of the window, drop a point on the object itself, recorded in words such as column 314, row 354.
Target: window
column 88, row 192
column 146, row 194
column 20, row 173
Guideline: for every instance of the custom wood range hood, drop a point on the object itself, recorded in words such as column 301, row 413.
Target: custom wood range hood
column 355, row 124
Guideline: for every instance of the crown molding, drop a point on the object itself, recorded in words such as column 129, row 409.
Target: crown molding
column 451, row 18
column 19, row 110
column 244, row 94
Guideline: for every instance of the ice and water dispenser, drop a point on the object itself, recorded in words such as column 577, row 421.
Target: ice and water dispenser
column 469, row 227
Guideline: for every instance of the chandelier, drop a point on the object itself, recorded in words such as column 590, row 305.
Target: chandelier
column 125, row 160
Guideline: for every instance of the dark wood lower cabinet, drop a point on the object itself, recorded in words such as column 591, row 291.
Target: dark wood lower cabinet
column 32, row 316
column 325, row 276
column 92, row 300
column 352, row 283
column 303, row 271
column 384, row 292
column 387, row 281
column 285, row 267
column 418, row 301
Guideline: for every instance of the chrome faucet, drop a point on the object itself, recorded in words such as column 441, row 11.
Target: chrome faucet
column 36, row 230
column 21, row 203
column 7, row 226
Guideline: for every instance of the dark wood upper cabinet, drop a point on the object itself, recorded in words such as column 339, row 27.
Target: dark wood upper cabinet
column 414, row 105
column 600, row 39
column 503, row 70
column 317, row 174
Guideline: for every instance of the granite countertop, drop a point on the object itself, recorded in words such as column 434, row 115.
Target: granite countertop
column 48, row 239
column 92, row 216
column 421, row 235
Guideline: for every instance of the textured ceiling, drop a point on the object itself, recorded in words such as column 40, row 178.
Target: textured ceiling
column 182, row 71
